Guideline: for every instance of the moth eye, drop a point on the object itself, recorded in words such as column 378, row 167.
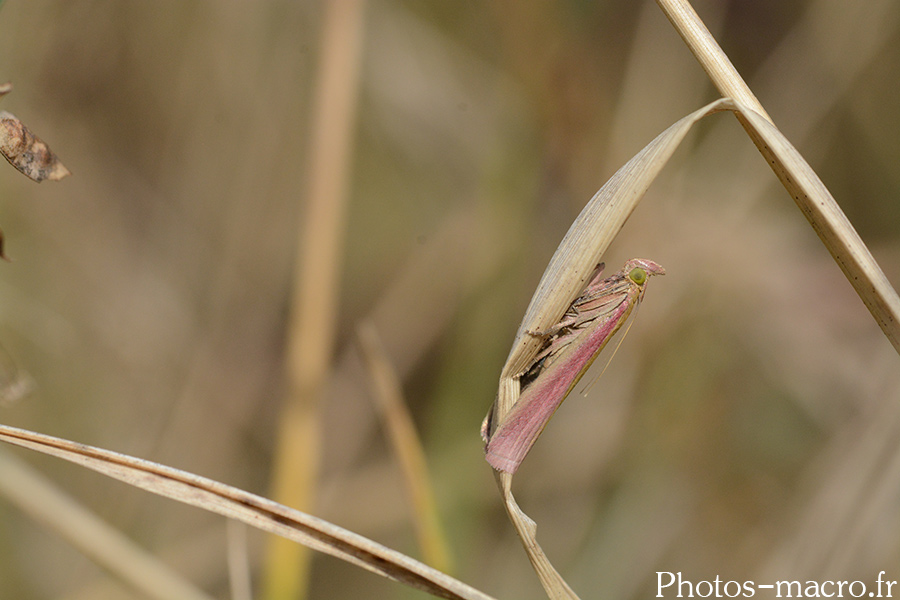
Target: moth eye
column 638, row 275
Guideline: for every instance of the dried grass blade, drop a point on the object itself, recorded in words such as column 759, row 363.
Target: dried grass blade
column 604, row 216
column 602, row 219
column 254, row 510
column 569, row 269
column 553, row 583
column 586, row 241
column 827, row 220
column 805, row 187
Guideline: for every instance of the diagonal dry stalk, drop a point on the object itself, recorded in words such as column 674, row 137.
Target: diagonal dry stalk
column 606, row 213
column 812, row 197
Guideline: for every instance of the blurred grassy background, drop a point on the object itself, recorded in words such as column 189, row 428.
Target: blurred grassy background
column 748, row 427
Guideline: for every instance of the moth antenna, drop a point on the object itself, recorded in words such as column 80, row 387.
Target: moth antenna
column 587, row 388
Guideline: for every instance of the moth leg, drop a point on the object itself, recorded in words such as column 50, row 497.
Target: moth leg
column 568, row 320
column 531, row 366
column 548, row 351
column 538, row 333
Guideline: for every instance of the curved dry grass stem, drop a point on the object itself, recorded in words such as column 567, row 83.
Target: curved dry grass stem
column 310, row 336
column 807, row 190
column 259, row 512
column 570, row 267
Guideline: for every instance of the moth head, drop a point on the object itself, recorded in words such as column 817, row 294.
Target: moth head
column 639, row 269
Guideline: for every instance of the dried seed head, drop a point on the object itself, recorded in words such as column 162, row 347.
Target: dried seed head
column 28, row 153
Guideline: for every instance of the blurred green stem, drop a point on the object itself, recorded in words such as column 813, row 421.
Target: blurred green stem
column 310, row 334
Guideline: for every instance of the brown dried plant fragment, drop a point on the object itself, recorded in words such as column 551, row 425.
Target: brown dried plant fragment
column 27, row 152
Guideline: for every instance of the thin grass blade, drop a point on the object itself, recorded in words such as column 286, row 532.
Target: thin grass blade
column 262, row 513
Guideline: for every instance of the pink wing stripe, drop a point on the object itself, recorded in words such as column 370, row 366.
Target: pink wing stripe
column 524, row 423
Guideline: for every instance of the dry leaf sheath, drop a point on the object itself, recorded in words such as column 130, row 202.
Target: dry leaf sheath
column 569, row 348
column 256, row 511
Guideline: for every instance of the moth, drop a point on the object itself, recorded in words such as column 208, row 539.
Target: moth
column 570, row 347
